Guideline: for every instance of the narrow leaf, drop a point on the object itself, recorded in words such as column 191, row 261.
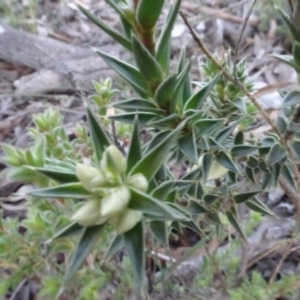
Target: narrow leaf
column 224, row 160
column 116, row 245
column 242, row 150
column 196, row 101
column 165, row 90
column 107, row 29
column 147, row 204
column 159, row 229
column 258, row 206
column 153, row 160
column 196, row 208
column 134, row 152
column 187, row 144
column 276, row 154
column 206, row 165
column 86, row 243
column 144, row 117
column 163, row 44
column 128, row 72
column 69, row 190
column 291, row 98
column 61, row 175
column 209, row 126
column 147, row 12
column 240, row 198
column 146, row 63
column 134, row 245
column 71, row 229
column 98, row 134
column 231, row 216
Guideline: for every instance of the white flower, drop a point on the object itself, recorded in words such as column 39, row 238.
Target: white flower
column 89, row 214
column 127, row 220
column 139, row 182
column 115, row 201
column 118, row 158
column 90, row 177
column 216, row 170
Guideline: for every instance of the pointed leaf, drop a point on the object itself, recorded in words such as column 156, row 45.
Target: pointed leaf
column 107, row 29
column 227, row 131
column 291, row 98
column 224, row 160
column 295, row 32
column 146, row 63
column 134, row 245
column 242, row 150
column 86, row 243
column 239, row 138
column 209, row 126
column 153, row 160
column 69, row 190
column 276, row 154
column 206, row 165
column 196, row 208
column 71, row 229
column 162, row 191
column 151, row 206
column 159, row 229
column 116, row 245
column 240, row 198
column 127, row 72
column 128, row 118
column 98, row 134
column 59, row 174
column 196, row 101
column 134, row 152
column 187, row 144
column 147, row 12
column 231, row 216
column 256, row 205
column 165, row 90
column 163, row 44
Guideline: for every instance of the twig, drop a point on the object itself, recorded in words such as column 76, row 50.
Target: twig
column 255, row 103
column 240, row 37
column 279, row 265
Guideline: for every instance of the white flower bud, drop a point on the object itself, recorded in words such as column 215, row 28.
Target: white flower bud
column 115, row 201
column 90, row 177
column 127, row 220
column 118, row 158
column 216, row 170
column 89, row 214
column 139, row 182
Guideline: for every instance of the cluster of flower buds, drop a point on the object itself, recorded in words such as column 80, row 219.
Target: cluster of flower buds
column 110, row 192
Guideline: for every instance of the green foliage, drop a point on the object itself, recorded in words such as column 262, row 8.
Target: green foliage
column 102, row 198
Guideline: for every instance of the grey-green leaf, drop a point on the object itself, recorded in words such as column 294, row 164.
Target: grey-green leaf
column 153, row 160
column 128, row 73
column 134, row 152
column 69, row 190
column 107, row 29
column 242, row 150
column 187, row 144
column 159, row 229
column 146, row 63
column 224, row 159
column 134, row 245
column 86, row 243
column 196, row 101
column 276, row 154
column 163, row 44
column 98, row 134
column 240, row 198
